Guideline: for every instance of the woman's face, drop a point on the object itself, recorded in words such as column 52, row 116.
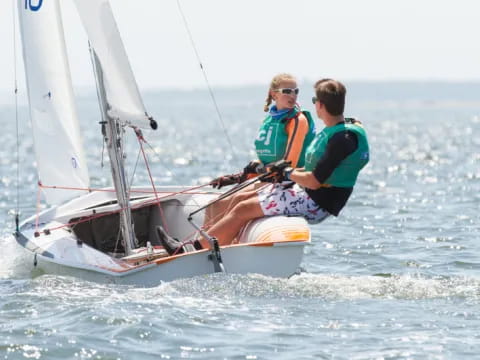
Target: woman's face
column 285, row 96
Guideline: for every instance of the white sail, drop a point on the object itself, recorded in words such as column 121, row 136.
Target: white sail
column 121, row 89
column 58, row 146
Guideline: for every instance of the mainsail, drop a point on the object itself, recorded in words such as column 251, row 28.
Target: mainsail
column 58, row 146
column 121, row 89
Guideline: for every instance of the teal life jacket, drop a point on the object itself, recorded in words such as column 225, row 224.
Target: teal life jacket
column 272, row 137
column 346, row 173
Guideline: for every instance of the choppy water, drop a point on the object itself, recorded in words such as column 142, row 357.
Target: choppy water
column 396, row 276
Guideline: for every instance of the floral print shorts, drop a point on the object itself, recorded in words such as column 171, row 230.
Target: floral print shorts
column 275, row 199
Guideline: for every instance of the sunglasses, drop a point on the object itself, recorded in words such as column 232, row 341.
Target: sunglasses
column 288, row 91
column 314, row 100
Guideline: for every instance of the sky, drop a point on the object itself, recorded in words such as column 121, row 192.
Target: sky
column 248, row 42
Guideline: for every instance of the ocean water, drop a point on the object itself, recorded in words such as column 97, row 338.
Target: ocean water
column 395, row 276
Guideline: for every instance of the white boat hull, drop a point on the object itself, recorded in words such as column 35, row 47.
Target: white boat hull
column 271, row 246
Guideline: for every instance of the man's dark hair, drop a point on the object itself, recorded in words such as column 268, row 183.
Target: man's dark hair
column 331, row 93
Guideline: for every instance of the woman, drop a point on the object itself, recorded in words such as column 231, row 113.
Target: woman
column 285, row 134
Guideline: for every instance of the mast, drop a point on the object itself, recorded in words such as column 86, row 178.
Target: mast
column 112, row 131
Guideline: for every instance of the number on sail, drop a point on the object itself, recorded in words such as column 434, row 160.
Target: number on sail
column 29, row 5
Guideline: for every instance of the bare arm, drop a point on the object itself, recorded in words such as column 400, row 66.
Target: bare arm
column 297, row 130
column 338, row 148
column 305, row 178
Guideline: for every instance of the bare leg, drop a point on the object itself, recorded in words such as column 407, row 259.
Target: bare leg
column 246, row 193
column 228, row 227
column 216, row 210
column 219, row 209
column 227, row 205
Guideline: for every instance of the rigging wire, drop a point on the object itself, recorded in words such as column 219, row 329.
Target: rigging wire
column 17, row 202
column 206, row 78
column 159, row 157
column 132, row 178
column 141, row 140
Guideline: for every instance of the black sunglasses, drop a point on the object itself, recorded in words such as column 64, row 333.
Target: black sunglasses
column 288, row 91
column 314, row 100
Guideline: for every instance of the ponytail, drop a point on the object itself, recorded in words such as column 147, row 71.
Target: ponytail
column 268, row 101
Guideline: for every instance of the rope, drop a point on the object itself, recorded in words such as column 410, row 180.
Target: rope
column 37, row 217
column 141, row 140
column 159, row 157
column 17, row 205
column 133, row 173
column 187, row 28
column 132, row 191
column 156, row 201
column 138, row 206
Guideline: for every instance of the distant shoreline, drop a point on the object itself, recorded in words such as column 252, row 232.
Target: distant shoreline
column 359, row 90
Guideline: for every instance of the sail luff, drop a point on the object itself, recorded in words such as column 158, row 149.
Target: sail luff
column 57, row 142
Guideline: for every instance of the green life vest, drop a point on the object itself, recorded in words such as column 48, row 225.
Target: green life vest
column 345, row 174
column 272, row 137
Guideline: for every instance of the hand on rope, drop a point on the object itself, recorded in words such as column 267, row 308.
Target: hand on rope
column 276, row 170
column 254, row 167
column 281, row 170
column 225, row 180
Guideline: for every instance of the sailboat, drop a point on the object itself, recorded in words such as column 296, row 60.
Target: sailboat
column 110, row 234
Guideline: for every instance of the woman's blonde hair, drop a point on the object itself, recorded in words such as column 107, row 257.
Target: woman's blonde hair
column 274, row 85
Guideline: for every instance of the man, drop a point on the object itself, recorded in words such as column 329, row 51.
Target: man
column 322, row 188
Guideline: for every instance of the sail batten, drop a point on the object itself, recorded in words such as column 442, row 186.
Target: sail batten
column 57, row 142
column 123, row 96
